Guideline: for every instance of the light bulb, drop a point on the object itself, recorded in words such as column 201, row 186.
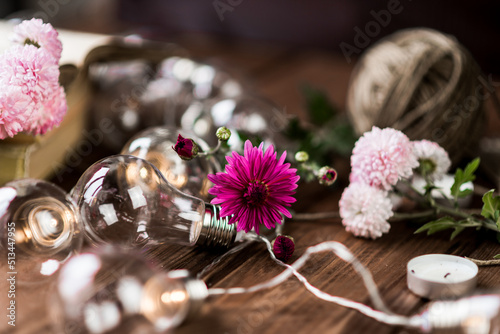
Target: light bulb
column 247, row 116
column 39, row 227
column 125, row 200
column 155, row 145
column 478, row 314
column 112, row 291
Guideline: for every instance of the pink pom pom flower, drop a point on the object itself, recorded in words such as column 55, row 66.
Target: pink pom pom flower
column 14, row 111
column 365, row 210
column 433, row 160
column 31, row 69
column 255, row 189
column 383, row 156
column 41, row 35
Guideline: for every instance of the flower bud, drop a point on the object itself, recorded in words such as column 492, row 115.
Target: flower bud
column 327, row 175
column 223, row 133
column 186, row 148
column 301, row 156
column 283, row 247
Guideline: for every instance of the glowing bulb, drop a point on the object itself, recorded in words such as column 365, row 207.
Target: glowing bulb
column 155, row 145
column 102, row 291
column 119, row 203
column 39, row 228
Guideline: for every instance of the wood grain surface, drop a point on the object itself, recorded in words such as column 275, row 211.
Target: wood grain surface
column 276, row 72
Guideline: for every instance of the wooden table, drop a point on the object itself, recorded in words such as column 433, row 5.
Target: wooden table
column 276, row 72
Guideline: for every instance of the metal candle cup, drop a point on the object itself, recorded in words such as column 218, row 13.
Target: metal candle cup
column 436, row 276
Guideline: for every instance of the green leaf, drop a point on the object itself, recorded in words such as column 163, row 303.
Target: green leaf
column 294, row 130
column 464, row 176
column 437, row 225
column 319, row 106
column 457, row 231
column 496, row 256
column 491, row 207
column 442, row 224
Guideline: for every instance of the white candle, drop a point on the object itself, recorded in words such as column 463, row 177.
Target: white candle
column 440, row 275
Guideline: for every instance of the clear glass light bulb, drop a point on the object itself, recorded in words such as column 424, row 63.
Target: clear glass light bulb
column 472, row 315
column 155, row 145
column 247, row 115
column 39, row 228
column 113, row 291
column 125, row 200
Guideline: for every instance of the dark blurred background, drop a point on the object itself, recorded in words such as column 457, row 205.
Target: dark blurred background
column 323, row 24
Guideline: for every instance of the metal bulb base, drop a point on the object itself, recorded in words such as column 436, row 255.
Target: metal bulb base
column 216, row 230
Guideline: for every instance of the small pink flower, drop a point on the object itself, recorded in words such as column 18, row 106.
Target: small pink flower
column 383, row 156
column 365, row 210
column 255, row 189
column 39, row 34
column 49, row 113
column 31, row 69
column 433, row 160
column 14, row 111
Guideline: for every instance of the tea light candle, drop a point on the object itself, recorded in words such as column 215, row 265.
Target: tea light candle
column 439, row 275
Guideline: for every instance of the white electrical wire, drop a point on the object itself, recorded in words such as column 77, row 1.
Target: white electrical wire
column 384, row 316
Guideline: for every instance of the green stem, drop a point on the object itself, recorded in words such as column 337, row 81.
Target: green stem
column 213, row 151
column 452, row 211
column 404, row 216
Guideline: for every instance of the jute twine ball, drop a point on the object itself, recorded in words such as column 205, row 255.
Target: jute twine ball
column 423, row 83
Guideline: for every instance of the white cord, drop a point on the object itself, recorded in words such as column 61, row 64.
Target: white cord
column 342, row 252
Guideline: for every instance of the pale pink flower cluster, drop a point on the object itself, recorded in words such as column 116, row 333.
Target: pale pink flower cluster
column 380, row 158
column 39, row 34
column 31, row 99
column 434, row 155
column 365, row 210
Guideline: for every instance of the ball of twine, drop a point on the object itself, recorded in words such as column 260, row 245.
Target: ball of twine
column 423, row 83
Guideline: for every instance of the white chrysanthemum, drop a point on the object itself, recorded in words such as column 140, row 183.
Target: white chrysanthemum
column 383, row 156
column 433, row 159
column 365, row 210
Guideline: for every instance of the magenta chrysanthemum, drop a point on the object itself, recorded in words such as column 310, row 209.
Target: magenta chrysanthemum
column 255, row 189
column 433, row 160
column 365, row 210
column 39, row 34
column 383, row 156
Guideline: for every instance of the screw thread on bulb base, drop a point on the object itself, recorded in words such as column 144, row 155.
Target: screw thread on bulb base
column 216, row 231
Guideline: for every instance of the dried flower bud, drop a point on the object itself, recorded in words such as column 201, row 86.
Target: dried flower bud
column 301, row 156
column 186, row 148
column 283, row 247
column 223, row 133
column 327, row 175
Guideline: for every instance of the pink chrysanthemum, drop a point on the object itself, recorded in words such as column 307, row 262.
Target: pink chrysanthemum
column 31, row 69
column 48, row 113
column 365, row 210
column 39, row 34
column 382, row 156
column 14, row 111
column 255, row 188
column 433, row 160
